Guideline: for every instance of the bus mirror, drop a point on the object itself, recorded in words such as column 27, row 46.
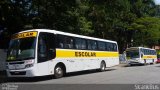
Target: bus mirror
column 51, row 51
column 141, row 54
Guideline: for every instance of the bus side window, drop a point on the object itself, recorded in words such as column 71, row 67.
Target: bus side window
column 94, row 45
column 114, row 47
column 89, row 45
column 69, row 42
column 109, row 46
column 60, row 41
column 144, row 51
column 83, row 42
column 101, row 45
column 78, row 43
column 65, row 42
column 106, row 45
column 152, row 52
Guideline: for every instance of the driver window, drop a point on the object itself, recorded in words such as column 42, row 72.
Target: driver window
column 46, row 47
column 42, row 48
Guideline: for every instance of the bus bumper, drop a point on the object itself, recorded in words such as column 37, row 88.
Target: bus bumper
column 21, row 73
column 132, row 62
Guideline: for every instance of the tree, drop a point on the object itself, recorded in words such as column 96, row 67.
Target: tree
column 147, row 31
column 119, row 20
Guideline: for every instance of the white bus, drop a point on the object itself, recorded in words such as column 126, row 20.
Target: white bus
column 141, row 55
column 41, row 52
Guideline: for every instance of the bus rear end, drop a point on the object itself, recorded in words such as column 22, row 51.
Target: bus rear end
column 133, row 56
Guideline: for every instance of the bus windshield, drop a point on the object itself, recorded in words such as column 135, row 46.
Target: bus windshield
column 132, row 54
column 21, row 49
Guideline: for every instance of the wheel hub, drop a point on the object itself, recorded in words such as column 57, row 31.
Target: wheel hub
column 58, row 70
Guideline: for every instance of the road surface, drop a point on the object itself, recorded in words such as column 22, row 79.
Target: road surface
column 149, row 74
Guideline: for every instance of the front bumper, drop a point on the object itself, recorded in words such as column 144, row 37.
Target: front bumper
column 21, row 73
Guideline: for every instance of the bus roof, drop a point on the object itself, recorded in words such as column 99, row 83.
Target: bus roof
column 139, row 48
column 68, row 34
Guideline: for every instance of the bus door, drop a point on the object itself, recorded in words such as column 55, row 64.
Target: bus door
column 46, row 52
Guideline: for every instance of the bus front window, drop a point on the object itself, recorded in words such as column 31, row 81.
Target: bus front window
column 132, row 54
column 21, row 49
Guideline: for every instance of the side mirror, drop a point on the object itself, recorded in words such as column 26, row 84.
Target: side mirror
column 142, row 55
column 51, row 50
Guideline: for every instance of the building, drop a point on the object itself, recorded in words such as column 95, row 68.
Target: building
column 157, row 47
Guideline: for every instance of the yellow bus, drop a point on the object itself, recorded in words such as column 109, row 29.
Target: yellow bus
column 41, row 52
column 141, row 55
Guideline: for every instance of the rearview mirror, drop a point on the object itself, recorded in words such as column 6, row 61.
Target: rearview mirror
column 142, row 55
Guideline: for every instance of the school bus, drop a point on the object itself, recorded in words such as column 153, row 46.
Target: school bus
column 41, row 52
column 141, row 55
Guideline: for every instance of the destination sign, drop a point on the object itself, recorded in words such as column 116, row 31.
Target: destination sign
column 24, row 35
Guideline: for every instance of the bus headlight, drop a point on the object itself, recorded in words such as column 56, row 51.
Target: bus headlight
column 29, row 65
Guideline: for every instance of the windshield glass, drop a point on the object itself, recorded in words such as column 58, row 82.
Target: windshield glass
column 21, row 49
column 132, row 54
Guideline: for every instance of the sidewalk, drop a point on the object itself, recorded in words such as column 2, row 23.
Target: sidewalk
column 123, row 65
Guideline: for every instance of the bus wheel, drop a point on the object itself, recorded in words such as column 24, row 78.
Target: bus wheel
column 58, row 71
column 102, row 66
column 145, row 63
column 153, row 61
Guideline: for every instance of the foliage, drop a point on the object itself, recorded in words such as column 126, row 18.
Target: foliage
column 129, row 22
column 148, row 31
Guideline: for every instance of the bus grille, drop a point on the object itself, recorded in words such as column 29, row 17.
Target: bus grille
column 16, row 63
column 18, row 73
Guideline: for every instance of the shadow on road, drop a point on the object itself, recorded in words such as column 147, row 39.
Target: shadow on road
column 134, row 65
column 4, row 79
column 86, row 72
column 139, row 65
column 24, row 79
column 158, row 66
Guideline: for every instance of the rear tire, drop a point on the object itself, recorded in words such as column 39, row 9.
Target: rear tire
column 145, row 62
column 153, row 61
column 130, row 64
column 102, row 66
column 58, row 71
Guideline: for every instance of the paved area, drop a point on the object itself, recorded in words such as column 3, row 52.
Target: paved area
column 121, row 74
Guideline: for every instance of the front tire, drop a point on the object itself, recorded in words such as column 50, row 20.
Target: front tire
column 58, row 71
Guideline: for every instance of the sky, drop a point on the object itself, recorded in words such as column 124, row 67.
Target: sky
column 157, row 2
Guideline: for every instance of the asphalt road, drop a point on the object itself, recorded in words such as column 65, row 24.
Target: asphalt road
column 149, row 74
